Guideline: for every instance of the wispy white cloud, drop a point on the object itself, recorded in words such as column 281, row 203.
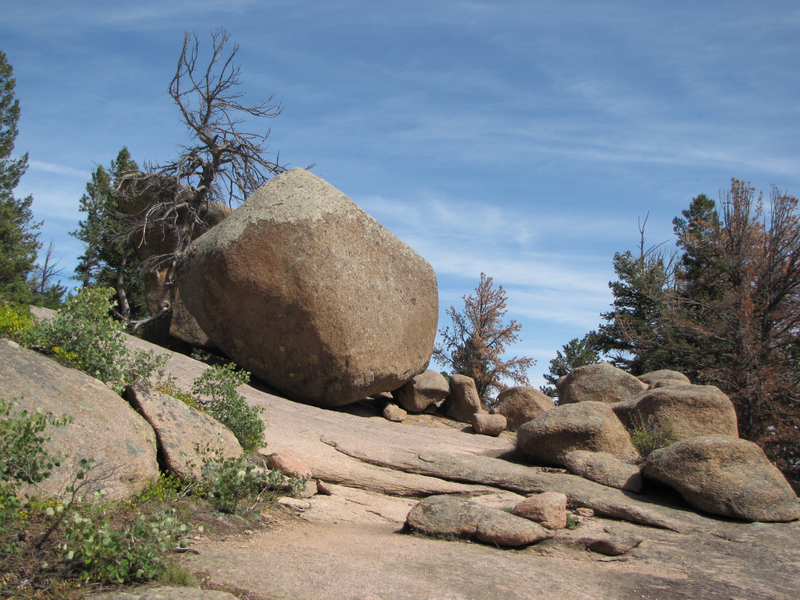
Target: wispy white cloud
column 37, row 165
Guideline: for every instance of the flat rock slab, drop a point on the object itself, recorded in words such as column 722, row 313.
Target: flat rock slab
column 104, row 428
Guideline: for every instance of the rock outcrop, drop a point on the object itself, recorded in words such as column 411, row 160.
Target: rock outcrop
column 184, row 434
column 591, row 426
column 522, row 404
column 311, row 294
column 463, row 401
column 448, row 516
column 606, row 469
column 691, row 411
column 725, row 476
column 602, row 382
column 423, row 390
column 486, row 424
column 104, row 427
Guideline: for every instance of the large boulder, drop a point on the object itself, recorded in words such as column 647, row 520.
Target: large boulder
column 463, row 401
column 725, row 476
column 691, row 411
column 591, row 426
column 104, row 427
column 602, row 382
column 448, row 516
column 522, row 404
column 311, row 294
column 419, row 393
column 183, row 433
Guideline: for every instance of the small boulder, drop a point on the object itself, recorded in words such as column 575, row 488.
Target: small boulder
column 522, row 404
column 664, row 378
column 486, row 424
column 311, row 294
column 448, row 516
column 725, row 476
column 591, row 426
column 463, row 401
column 425, row 389
column 603, row 468
column 182, row 430
column 289, row 465
column 549, row 509
column 602, row 382
column 392, row 412
column 691, row 411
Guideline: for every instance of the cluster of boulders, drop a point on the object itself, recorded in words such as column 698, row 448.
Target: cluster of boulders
column 589, row 434
column 131, row 439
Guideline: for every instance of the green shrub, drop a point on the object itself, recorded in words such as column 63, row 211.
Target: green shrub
column 649, row 436
column 83, row 334
column 132, row 552
column 230, row 481
column 228, row 406
column 14, row 320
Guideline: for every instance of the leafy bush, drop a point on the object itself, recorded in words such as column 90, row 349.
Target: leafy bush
column 231, row 480
column 83, row 335
column 648, row 437
column 228, row 406
column 14, row 320
column 131, row 552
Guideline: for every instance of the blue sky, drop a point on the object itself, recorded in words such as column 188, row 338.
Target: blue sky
column 521, row 139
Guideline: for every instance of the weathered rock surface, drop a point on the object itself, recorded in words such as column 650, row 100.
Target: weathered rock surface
column 104, row 428
column 664, row 377
column 725, row 476
column 323, row 303
column 448, row 516
column 486, row 424
column 182, row 432
column 522, row 404
column 591, row 426
column 463, row 401
column 549, row 509
column 606, row 469
column 692, row 410
column 602, row 382
column 419, row 393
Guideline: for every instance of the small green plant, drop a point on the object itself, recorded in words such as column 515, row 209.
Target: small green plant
column 176, row 574
column 648, row 435
column 572, row 522
column 228, row 406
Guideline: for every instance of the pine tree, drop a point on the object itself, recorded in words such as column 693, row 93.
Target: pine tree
column 109, row 259
column 577, row 353
column 18, row 231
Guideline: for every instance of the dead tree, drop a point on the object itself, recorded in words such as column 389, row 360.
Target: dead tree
column 169, row 205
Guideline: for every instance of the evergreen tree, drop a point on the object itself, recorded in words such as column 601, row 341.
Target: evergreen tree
column 109, row 259
column 18, row 231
